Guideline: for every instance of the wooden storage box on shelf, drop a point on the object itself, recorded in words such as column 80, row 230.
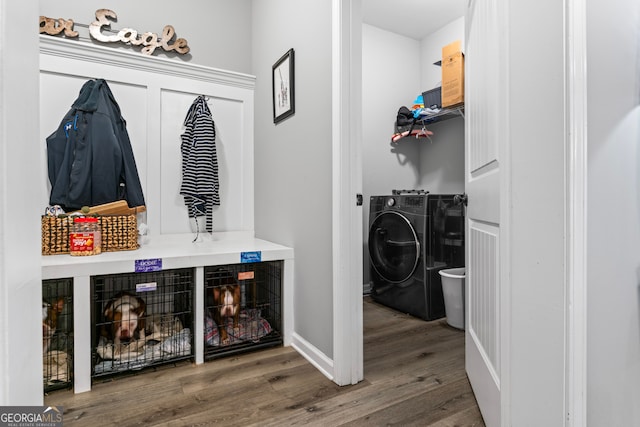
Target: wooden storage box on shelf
column 119, row 233
column 452, row 75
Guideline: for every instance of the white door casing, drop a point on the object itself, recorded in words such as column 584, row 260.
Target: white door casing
column 488, row 170
column 348, row 364
column 576, row 333
column 486, row 242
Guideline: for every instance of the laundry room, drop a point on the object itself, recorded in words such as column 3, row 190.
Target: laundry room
column 402, row 51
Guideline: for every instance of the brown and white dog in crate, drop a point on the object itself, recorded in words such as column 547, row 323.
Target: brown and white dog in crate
column 125, row 318
column 50, row 313
column 226, row 298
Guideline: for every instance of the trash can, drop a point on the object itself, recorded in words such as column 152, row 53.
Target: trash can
column 453, row 291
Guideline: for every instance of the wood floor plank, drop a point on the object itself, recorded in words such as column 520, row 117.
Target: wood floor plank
column 414, row 375
column 354, row 404
column 371, row 398
column 269, row 364
column 424, row 408
column 469, row 417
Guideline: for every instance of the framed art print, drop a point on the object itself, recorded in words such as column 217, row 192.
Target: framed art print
column 283, row 87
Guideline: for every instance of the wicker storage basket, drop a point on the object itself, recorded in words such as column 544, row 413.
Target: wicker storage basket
column 119, row 233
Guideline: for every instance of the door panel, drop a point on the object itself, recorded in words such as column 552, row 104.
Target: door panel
column 484, row 327
column 484, row 82
column 482, row 187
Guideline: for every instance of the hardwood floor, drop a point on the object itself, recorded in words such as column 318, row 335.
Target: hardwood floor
column 414, row 376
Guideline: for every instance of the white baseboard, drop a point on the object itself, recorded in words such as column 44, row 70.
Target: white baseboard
column 313, row 355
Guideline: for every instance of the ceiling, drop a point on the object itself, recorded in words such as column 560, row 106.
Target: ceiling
column 412, row 18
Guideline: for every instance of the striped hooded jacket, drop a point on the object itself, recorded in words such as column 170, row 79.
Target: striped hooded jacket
column 200, row 186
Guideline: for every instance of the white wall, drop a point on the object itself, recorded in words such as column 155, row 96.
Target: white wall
column 218, row 31
column 431, row 51
column 293, row 188
column 613, row 288
column 390, row 79
column 535, row 169
column 442, row 158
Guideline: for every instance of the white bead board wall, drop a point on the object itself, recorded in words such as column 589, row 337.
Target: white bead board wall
column 154, row 94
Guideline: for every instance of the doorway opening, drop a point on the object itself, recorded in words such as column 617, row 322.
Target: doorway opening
column 400, row 62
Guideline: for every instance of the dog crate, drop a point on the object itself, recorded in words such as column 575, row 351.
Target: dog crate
column 256, row 288
column 141, row 320
column 57, row 334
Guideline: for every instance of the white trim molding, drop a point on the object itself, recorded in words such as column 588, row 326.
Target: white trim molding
column 507, row 228
column 93, row 52
column 576, row 93
column 347, row 182
column 20, row 239
column 314, row 356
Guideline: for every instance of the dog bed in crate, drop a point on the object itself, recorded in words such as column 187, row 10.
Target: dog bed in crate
column 56, row 367
column 166, row 340
column 251, row 327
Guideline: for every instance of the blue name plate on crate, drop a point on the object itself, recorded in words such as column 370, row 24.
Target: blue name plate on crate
column 255, row 256
column 146, row 265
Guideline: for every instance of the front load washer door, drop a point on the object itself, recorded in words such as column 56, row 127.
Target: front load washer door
column 393, row 246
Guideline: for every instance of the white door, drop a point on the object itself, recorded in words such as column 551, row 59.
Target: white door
column 484, row 142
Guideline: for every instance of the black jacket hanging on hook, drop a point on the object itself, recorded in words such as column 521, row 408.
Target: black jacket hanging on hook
column 90, row 159
column 200, row 186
